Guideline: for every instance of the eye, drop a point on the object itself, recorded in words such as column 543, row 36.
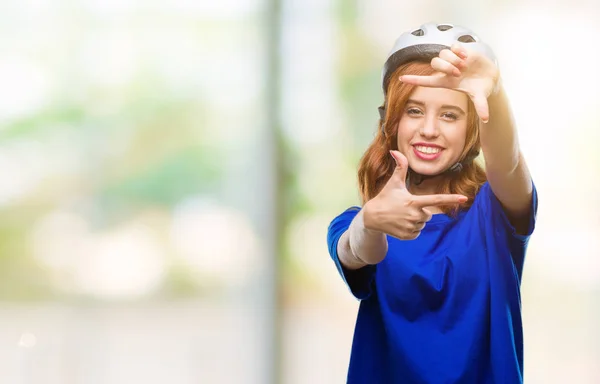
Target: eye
column 413, row 112
column 450, row 116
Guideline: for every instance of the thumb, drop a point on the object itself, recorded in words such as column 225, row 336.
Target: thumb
column 399, row 176
column 481, row 106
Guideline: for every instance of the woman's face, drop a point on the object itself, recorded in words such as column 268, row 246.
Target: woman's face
column 433, row 129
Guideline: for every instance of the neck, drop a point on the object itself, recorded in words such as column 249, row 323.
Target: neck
column 429, row 186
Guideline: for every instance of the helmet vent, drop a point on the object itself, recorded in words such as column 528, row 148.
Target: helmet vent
column 467, row 39
column 418, row 32
column 444, row 27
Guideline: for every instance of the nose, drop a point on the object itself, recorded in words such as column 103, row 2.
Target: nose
column 430, row 127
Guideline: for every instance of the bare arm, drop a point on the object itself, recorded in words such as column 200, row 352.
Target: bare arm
column 359, row 246
column 506, row 169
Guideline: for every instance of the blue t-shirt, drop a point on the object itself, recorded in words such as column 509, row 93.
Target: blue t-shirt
column 445, row 307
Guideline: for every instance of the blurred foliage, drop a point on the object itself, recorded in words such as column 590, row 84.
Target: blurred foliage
column 146, row 153
column 153, row 140
column 21, row 278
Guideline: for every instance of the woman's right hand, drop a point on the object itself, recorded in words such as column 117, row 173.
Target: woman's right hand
column 396, row 211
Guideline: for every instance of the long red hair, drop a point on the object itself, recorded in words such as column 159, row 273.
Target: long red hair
column 377, row 165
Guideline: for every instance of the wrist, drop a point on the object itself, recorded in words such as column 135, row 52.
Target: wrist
column 497, row 89
column 369, row 217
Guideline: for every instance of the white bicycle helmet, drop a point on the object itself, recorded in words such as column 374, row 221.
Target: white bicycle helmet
column 426, row 42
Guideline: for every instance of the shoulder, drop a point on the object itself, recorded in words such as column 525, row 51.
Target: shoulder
column 491, row 211
column 484, row 193
column 485, row 200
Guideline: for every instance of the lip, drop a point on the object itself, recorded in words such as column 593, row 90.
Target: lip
column 427, row 156
column 427, row 145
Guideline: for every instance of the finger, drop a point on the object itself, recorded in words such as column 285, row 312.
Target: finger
column 481, row 106
column 444, row 66
column 419, row 225
column 404, row 234
column 439, row 80
column 452, row 58
column 423, row 215
column 427, row 215
column 459, row 50
column 408, row 235
column 418, row 215
column 401, row 233
column 435, row 200
column 399, row 176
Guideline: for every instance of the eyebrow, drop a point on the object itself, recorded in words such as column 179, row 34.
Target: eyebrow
column 445, row 106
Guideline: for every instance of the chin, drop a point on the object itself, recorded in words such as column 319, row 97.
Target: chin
column 427, row 170
column 428, row 164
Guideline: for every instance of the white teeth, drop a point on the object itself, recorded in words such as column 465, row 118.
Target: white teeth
column 428, row 150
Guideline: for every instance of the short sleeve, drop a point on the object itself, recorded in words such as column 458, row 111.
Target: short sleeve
column 517, row 242
column 359, row 281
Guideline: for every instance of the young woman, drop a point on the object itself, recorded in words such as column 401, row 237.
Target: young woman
column 435, row 254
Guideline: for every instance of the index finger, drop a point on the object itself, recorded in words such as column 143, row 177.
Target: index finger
column 435, row 200
column 436, row 81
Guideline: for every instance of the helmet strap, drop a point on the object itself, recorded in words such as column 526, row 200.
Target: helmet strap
column 417, row 178
column 382, row 118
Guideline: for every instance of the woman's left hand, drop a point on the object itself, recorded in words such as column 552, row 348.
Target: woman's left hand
column 463, row 70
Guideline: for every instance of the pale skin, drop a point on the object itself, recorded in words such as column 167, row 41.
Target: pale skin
column 402, row 213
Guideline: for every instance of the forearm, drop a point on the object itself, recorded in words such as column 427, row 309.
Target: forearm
column 499, row 138
column 506, row 169
column 359, row 246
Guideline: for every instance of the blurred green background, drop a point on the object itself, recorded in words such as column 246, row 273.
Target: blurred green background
column 168, row 171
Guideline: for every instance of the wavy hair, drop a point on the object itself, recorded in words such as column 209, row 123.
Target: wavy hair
column 377, row 165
